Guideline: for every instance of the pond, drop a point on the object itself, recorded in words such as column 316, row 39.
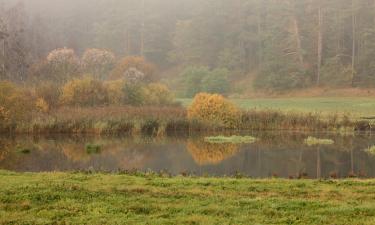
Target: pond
column 281, row 154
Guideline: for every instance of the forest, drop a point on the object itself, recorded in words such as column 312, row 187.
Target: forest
column 215, row 46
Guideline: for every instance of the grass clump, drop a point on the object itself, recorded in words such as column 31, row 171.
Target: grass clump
column 93, row 149
column 232, row 139
column 310, row 141
column 371, row 150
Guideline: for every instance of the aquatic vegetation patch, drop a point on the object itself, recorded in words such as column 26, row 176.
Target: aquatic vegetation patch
column 310, row 141
column 93, row 148
column 23, row 150
column 232, row 139
column 371, row 150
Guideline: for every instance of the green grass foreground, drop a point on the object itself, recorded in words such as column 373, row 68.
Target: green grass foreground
column 65, row 198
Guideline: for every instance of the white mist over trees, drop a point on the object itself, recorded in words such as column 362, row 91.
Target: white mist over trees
column 286, row 43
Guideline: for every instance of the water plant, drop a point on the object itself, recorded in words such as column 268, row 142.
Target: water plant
column 232, row 139
column 93, row 148
column 371, row 150
column 23, row 150
column 311, row 141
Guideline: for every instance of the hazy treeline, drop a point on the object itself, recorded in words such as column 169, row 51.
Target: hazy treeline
column 284, row 43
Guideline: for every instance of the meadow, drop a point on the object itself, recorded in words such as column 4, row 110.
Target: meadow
column 356, row 107
column 77, row 198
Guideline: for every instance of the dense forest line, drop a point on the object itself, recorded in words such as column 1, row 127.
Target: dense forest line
column 271, row 44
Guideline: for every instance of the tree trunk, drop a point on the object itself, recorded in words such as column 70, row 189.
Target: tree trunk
column 3, row 58
column 298, row 40
column 143, row 30
column 353, row 43
column 320, row 43
column 296, row 33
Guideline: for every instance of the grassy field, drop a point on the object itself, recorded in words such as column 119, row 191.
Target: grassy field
column 62, row 198
column 356, row 106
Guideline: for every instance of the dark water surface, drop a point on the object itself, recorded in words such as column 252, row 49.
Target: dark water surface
column 281, row 154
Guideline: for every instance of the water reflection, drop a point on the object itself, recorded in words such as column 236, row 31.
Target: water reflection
column 275, row 154
column 205, row 153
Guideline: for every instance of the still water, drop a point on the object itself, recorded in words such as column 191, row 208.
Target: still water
column 281, row 154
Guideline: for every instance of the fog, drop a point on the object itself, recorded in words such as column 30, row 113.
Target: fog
column 264, row 45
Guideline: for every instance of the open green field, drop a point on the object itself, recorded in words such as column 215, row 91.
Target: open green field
column 64, row 198
column 355, row 106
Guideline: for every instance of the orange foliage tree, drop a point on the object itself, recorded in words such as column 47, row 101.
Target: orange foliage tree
column 215, row 109
column 130, row 68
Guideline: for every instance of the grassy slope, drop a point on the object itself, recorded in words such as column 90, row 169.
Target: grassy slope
column 47, row 198
column 357, row 106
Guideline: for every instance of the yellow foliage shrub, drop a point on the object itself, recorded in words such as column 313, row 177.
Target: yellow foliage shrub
column 158, row 94
column 42, row 105
column 4, row 114
column 15, row 103
column 115, row 91
column 84, row 92
column 213, row 108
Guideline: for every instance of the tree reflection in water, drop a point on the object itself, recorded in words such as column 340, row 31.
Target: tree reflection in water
column 205, row 153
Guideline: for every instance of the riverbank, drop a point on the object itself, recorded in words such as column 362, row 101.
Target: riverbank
column 49, row 198
column 158, row 121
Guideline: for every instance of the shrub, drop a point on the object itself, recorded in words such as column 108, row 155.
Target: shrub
column 129, row 67
column 334, row 73
column 115, row 92
column 214, row 108
column 216, row 82
column 193, row 77
column 134, row 94
column 49, row 92
column 15, row 104
column 42, row 105
column 84, row 92
column 98, row 62
column 281, row 76
column 4, row 115
column 201, row 79
column 158, row 94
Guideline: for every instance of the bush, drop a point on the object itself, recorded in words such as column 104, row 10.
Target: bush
column 193, row 77
column 158, row 94
column 42, row 105
column 215, row 109
column 280, row 76
column 98, row 62
column 84, row 92
column 216, row 82
column 335, row 74
column 49, row 92
column 134, row 94
column 201, row 79
column 15, row 104
column 134, row 66
column 115, row 92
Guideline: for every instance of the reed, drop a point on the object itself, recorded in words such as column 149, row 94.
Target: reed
column 159, row 121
